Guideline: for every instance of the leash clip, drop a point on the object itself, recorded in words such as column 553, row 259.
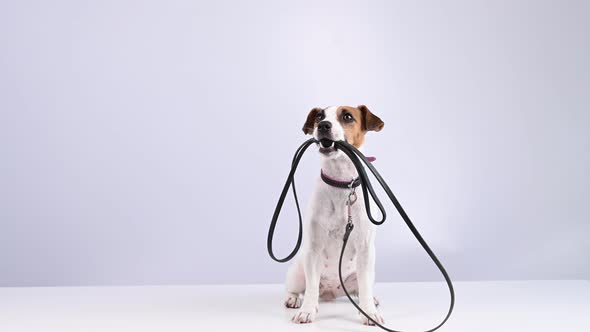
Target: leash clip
column 352, row 197
column 352, row 194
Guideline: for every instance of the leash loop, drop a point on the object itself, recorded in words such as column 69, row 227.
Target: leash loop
column 290, row 182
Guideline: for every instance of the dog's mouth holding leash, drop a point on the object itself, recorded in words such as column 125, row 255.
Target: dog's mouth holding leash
column 326, row 146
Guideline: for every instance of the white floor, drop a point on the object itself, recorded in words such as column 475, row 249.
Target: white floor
column 481, row 306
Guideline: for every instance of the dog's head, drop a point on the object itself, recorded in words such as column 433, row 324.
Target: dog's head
column 340, row 123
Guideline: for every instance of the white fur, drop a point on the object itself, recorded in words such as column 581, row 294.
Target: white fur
column 314, row 273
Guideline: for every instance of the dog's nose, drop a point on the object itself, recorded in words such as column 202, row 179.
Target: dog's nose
column 324, row 126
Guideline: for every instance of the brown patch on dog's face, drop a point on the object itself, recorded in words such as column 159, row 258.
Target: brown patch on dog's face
column 351, row 120
column 356, row 121
column 311, row 122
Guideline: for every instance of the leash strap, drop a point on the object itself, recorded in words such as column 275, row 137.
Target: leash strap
column 290, row 182
column 356, row 157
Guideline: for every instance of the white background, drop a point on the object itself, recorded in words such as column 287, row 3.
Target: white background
column 146, row 142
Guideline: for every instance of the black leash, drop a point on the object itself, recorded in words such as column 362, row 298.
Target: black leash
column 275, row 217
column 356, row 157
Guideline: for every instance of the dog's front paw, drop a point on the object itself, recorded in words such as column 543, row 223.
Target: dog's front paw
column 374, row 314
column 292, row 300
column 305, row 315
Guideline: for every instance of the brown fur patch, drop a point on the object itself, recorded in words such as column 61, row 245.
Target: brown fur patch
column 371, row 121
column 353, row 131
column 309, row 124
column 364, row 121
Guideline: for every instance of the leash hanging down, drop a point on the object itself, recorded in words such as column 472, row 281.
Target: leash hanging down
column 355, row 157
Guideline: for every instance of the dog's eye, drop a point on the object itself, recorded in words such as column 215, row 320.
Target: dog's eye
column 319, row 117
column 347, row 117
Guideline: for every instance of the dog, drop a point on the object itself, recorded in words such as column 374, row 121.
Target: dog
column 314, row 272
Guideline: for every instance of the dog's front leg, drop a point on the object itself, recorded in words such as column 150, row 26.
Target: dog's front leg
column 312, row 267
column 366, row 279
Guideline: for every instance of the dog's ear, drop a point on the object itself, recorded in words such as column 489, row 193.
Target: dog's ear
column 371, row 122
column 308, row 126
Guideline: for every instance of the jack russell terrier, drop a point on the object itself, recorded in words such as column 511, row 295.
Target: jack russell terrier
column 314, row 273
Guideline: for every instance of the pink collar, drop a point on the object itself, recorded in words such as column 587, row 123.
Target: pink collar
column 343, row 184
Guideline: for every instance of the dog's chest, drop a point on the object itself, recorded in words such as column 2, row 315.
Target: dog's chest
column 330, row 210
column 330, row 216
